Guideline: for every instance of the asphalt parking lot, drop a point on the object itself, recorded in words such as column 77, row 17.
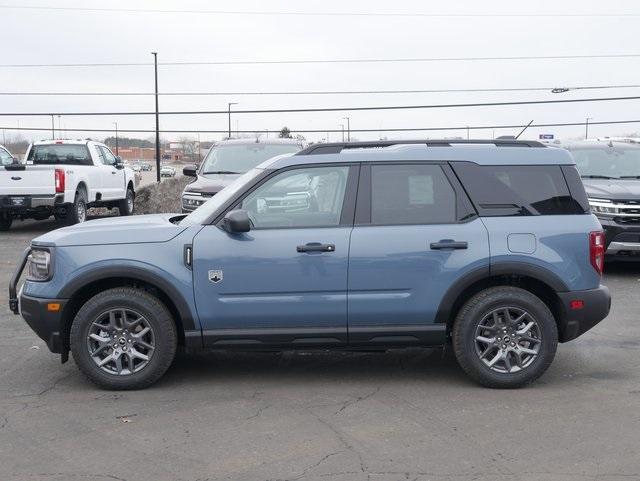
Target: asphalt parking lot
column 410, row 415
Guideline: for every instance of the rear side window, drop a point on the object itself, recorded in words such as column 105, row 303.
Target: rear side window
column 59, row 154
column 508, row 190
column 411, row 194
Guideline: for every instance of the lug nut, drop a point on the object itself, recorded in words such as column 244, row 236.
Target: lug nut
column 504, row 346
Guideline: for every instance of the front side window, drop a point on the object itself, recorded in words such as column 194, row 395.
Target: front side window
column 304, row 197
column 106, row 156
column 59, row 154
column 411, row 194
column 239, row 158
column 508, row 190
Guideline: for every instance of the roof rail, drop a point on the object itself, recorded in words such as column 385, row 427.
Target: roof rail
column 337, row 147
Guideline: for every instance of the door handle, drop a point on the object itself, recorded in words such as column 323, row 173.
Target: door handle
column 449, row 244
column 113, row 172
column 316, row 247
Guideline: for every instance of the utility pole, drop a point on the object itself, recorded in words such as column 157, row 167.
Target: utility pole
column 53, row 127
column 116, row 124
column 155, row 69
column 586, row 128
column 4, row 138
column 348, row 119
column 342, row 126
column 60, row 126
column 199, row 156
column 229, row 104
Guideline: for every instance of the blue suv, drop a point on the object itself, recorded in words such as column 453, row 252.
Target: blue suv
column 488, row 246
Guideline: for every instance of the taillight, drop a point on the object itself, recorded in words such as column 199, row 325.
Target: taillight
column 59, row 181
column 596, row 250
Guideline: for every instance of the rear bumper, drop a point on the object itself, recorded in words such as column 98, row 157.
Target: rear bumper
column 575, row 322
column 45, row 323
column 20, row 204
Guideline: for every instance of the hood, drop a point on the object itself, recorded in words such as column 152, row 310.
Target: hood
column 114, row 230
column 614, row 189
column 211, row 183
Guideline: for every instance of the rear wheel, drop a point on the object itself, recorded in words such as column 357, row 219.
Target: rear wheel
column 77, row 212
column 123, row 338
column 5, row 221
column 505, row 337
column 126, row 205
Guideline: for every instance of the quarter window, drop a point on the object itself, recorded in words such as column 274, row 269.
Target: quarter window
column 411, row 194
column 304, row 197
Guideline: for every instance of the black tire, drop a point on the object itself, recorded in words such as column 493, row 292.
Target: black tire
column 482, row 305
column 74, row 211
column 126, row 206
column 158, row 318
column 5, row 222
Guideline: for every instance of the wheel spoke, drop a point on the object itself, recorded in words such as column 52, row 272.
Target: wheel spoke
column 99, row 339
column 143, row 344
column 506, row 317
column 130, row 363
column 139, row 355
column 518, row 320
column 495, row 359
column 106, row 360
column 118, row 361
column 99, row 349
column 526, row 350
column 507, row 362
column 526, row 328
column 486, row 340
column 139, row 335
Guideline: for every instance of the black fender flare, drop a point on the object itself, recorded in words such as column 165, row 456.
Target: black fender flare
column 524, row 269
column 189, row 323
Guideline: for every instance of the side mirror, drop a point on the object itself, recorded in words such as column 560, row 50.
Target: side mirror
column 236, row 222
column 119, row 164
column 190, row 170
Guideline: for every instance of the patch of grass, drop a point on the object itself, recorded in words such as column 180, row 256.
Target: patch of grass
column 162, row 198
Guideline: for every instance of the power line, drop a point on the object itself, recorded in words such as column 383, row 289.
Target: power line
column 325, row 109
column 333, row 130
column 325, row 92
column 317, row 13
column 322, row 61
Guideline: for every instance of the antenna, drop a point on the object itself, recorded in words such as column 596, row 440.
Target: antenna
column 522, row 131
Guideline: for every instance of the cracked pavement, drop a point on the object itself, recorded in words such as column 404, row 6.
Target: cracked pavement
column 404, row 415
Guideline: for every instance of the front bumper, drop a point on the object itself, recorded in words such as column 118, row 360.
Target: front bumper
column 596, row 304
column 44, row 322
column 623, row 239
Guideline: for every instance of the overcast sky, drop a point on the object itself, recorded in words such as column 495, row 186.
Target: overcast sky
column 68, row 36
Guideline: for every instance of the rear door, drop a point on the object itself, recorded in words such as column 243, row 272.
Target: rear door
column 416, row 234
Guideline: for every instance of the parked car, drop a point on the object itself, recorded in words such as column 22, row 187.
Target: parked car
column 64, row 178
column 146, row 166
column 490, row 247
column 6, row 158
column 136, row 167
column 610, row 171
column 225, row 162
column 167, row 171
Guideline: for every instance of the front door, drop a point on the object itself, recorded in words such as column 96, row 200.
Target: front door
column 415, row 236
column 285, row 281
column 112, row 179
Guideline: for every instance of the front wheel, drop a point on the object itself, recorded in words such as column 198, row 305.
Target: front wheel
column 126, row 205
column 123, row 338
column 505, row 337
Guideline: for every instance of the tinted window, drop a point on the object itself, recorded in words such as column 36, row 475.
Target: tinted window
column 411, row 194
column 239, row 158
column 505, row 190
column 66, row 154
column 303, row 197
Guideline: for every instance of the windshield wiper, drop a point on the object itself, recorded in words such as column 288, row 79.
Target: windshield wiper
column 630, row 176
column 221, row 172
column 597, row 177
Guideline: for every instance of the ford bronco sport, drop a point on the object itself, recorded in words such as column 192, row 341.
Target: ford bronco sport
column 489, row 246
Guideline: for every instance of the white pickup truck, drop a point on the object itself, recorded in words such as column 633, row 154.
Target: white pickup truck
column 64, row 178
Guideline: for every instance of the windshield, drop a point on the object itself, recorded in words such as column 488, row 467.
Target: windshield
column 5, row 157
column 239, row 158
column 609, row 163
column 73, row 154
column 202, row 213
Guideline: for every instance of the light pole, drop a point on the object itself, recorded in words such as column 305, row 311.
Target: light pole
column 342, row 126
column 229, row 104
column 199, row 157
column 586, row 128
column 116, row 124
column 53, row 127
column 60, row 126
column 155, row 69
column 348, row 119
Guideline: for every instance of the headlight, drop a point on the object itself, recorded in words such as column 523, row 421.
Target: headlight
column 602, row 206
column 39, row 265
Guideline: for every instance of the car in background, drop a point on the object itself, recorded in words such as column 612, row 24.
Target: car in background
column 610, row 171
column 6, row 158
column 136, row 167
column 146, row 166
column 226, row 161
column 167, row 171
